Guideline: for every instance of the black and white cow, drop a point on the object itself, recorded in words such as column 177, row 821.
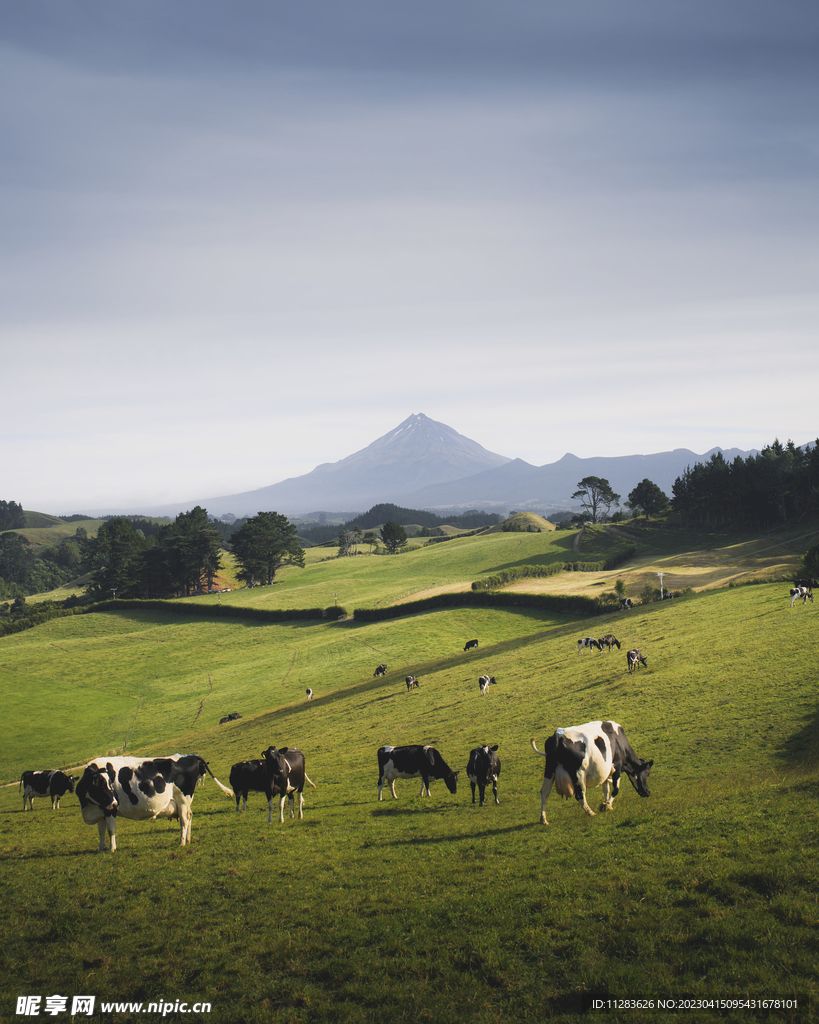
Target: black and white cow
column 48, row 783
column 584, row 756
column 809, row 583
column 229, row 718
column 588, row 641
column 625, row 604
column 634, row 660
column 380, row 670
column 484, row 682
column 309, row 693
column 482, row 771
column 801, row 592
column 412, row 762
column 142, row 789
column 608, row 641
column 286, row 767
column 412, row 683
column 470, row 645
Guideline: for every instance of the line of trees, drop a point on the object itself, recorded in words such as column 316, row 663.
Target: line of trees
column 778, row 485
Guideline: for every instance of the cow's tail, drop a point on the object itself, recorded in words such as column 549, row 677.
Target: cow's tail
column 540, row 753
column 309, row 781
column 225, row 790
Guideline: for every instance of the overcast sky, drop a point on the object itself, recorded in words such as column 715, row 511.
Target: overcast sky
column 239, row 240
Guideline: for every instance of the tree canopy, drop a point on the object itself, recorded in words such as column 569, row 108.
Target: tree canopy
column 393, row 535
column 647, row 499
column 596, row 497
column 263, row 545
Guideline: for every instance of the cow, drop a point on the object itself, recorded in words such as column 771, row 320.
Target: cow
column 142, row 789
column 584, row 756
column 484, row 682
column 634, row 660
column 608, row 641
column 410, row 762
column 229, row 718
column 803, row 592
column 470, row 645
column 625, row 604
column 412, row 683
column 286, row 767
column 380, row 670
column 51, row 783
column 588, row 641
column 482, row 771
column 309, row 693
column 253, row 775
column 810, row 583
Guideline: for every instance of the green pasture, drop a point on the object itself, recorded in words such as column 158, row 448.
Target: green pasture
column 369, row 581
column 417, row 909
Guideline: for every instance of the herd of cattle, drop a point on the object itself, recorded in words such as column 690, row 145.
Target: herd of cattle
column 577, row 759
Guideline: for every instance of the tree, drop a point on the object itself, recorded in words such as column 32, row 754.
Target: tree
column 192, row 551
column 115, row 555
column 810, row 563
column 394, row 536
column 647, row 499
column 263, row 545
column 12, row 516
column 596, row 497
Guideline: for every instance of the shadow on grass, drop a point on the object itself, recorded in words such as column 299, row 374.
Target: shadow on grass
column 801, row 750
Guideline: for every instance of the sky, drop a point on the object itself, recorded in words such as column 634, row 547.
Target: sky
column 240, row 240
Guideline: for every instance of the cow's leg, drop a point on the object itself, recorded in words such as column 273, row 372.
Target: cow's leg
column 392, row 789
column 580, row 793
column 109, row 824
column 282, row 799
column 270, row 810
column 301, row 804
column 495, row 790
column 545, row 790
column 472, row 784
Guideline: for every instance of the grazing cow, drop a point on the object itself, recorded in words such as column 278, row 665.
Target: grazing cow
column 48, row 783
column 484, row 682
column 584, row 756
column 142, row 789
column 229, row 718
column 470, row 645
column 608, row 641
column 412, row 683
column 309, row 693
column 483, row 770
column 410, row 762
column 625, row 604
column 287, row 771
column 634, row 660
column 588, row 641
column 380, row 670
column 803, row 592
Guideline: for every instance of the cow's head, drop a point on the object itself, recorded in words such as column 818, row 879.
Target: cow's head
column 95, row 787
column 638, row 775
column 277, row 765
column 488, row 763
column 451, row 781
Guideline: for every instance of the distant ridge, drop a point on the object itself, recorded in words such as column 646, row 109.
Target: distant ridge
column 427, row 465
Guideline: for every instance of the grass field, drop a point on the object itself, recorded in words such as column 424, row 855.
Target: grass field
column 416, row 909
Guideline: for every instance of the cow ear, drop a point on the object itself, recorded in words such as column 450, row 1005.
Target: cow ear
column 495, row 747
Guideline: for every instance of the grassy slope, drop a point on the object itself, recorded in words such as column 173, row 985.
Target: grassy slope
column 707, row 888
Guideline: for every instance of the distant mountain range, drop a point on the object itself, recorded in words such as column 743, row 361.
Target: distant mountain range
column 427, row 465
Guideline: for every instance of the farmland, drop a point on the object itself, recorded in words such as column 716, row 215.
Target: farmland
column 416, row 909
